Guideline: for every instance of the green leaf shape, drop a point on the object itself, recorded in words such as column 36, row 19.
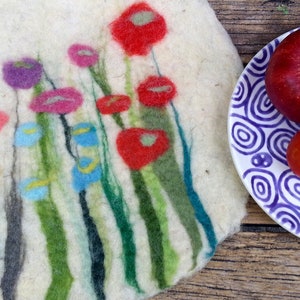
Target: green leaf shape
column 169, row 174
column 51, row 221
column 129, row 89
column 52, row 227
column 153, row 227
column 100, row 76
column 171, row 258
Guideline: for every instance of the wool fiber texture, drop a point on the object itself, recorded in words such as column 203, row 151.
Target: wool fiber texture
column 116, row 179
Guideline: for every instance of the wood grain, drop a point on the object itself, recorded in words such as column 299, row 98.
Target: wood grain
column 262, row 261
column 246, row 266
column 255, row 215
column 252, row 23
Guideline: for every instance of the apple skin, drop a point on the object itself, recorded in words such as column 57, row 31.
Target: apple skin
column 282, row 77
column 293, row 154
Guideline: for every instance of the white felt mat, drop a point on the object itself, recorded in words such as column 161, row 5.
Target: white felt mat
column 116, row 179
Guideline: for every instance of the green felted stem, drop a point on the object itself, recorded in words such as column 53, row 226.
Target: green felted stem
column 114, row 194
column 129, row 89
column 99, row 75
column 147, row 211
column 51, row 222
column 169, row 174
column 119, row 121
column 153, row 228
column 52, row 228
column 200, row 213
column 171, row 258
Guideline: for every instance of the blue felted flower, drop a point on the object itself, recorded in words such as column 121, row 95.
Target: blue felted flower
column 85, row 172
column 85, row 134
column 34, row 189
column 28, row 134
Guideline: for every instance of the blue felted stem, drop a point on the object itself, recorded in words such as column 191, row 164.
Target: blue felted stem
column 201, row 215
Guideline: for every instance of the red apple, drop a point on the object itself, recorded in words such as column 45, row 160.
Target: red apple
column 282, row 77
column 293, row 154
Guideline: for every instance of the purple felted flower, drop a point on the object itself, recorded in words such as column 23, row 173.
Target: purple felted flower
column 59, row 101
column 22, row 74
column 83, row 55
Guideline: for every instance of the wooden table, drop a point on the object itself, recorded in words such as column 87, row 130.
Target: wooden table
column 263, row 260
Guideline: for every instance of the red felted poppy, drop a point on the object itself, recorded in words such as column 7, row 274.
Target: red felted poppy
column 138, row 28
column 156, row 91
column 3, row 119
column 59, row 101
column 113, row 104
column 139, row 146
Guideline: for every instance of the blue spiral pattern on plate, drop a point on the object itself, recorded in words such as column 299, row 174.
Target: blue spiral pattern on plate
column 262, row 183
column 277, row 143
column 259, row 136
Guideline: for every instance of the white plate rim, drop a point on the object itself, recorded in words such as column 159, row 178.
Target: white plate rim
column 235, row 156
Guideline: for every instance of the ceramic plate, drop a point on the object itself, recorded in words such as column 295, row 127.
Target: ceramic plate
column 258, row 137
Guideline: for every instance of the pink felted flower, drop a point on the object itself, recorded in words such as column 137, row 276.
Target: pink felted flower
column 138, row 28
column 83, row 55
column 59, row 101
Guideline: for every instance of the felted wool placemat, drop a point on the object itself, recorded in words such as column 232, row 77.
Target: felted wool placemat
column 116, row 177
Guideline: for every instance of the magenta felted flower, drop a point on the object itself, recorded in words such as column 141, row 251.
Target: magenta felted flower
column 59, row 101
column 22, row 74
column 83, row 55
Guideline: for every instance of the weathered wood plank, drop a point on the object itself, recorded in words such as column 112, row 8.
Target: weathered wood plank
column 254, row 23
column 255, row 215
column 246, row 266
